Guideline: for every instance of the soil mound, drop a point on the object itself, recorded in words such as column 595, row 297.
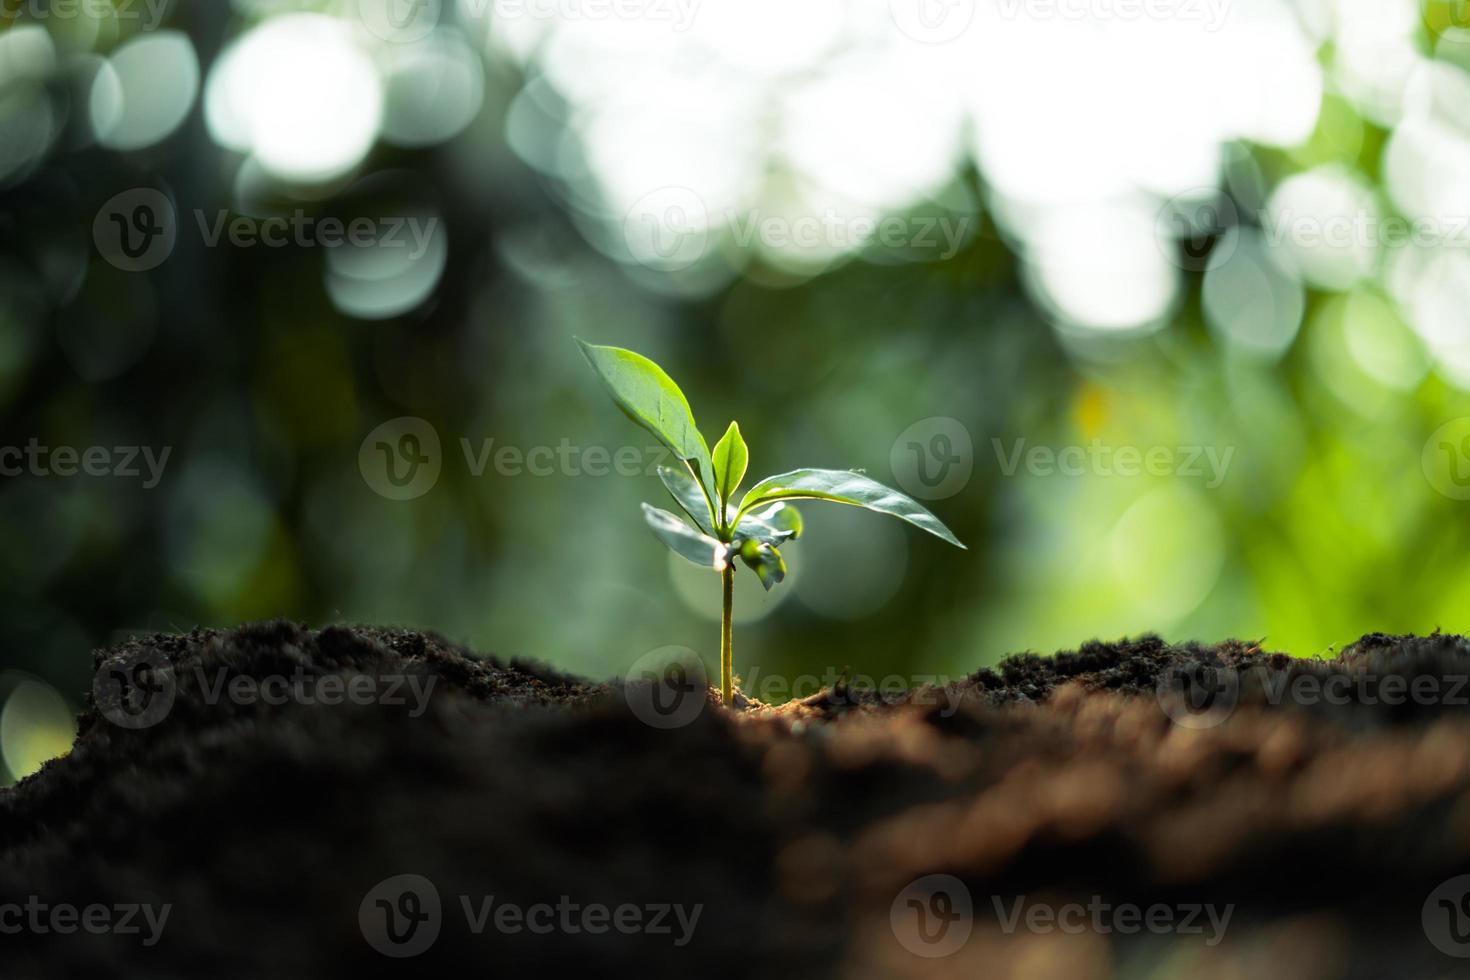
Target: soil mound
column 334, row 802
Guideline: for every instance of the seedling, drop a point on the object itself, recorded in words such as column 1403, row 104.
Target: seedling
column 719, row 530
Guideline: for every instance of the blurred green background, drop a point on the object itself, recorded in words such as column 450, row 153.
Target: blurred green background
column 1167, row 317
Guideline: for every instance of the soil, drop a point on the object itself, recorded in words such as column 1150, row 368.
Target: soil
column 797, row 830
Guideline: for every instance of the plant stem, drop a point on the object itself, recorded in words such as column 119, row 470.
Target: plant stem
column 727, row 646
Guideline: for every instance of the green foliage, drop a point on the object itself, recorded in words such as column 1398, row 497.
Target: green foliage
column 765, row 561
column 765, row 518
column 685, row 490
column 771, row 527
column 845, row 487
column 685, row 541
column 731, row 457
column 650, row 398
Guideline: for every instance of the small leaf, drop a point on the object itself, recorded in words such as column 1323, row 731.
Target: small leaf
column 686, row 493
column 765, row 561
column 650, row 398
column 755, row 527
column 785, row 517
column 731, row 456
column 846, row 487
column 685, row 541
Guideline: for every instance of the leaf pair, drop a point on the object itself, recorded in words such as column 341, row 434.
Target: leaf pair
column 753, row 539
column 705, row 488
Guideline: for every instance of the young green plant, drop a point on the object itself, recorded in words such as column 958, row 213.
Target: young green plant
column 719, row 529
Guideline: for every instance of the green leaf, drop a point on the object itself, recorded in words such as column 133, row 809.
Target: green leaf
column 765, row 561
column 845, row 487
column 770, row 527
column 650, row 398
column 685, row 541
column 684, row 488
column 783, row 517
column 731, row 456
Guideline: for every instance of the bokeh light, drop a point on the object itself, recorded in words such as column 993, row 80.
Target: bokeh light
column 1242, row 241
column 299, row 94
column 36, row 724
column 145, row 91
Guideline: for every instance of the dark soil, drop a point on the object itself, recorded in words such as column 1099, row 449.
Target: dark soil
column 1325, row 826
